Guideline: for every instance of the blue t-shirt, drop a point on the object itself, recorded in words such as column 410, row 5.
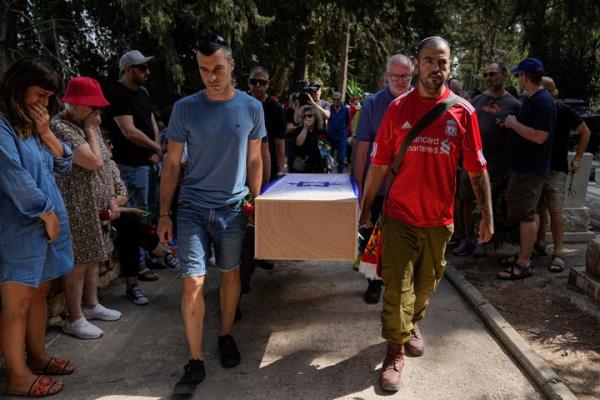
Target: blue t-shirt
column 371, row 115
column 538, row 112
column 217, row 135
column 337, row 124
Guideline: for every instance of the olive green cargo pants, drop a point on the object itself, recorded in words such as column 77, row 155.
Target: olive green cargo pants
column 412, row 266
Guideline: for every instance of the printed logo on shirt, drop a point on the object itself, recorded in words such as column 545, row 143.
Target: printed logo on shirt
column 491, row 108
column 445, row 147
column 431, row 145
column 406, row 125
column 451, row 128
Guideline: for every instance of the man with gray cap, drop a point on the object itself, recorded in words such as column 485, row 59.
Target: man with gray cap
column 134, row 134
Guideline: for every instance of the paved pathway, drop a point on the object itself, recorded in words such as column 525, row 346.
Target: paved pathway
column 305, row 334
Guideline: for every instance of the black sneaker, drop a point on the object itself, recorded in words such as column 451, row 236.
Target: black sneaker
column 373, row 292
column 465, row 248
column 193, row 375
column 230, row 355
column 172, row 261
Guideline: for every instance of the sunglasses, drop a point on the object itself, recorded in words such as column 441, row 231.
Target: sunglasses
column 308, row 116
column 142, row 67
column 261, row 82
column 490, row 74
column 315, row 88
column 518, row 74
column 337, row 98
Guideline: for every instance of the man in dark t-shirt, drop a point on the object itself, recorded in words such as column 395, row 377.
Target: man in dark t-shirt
column 554, row 185
column 528, row 160
column 136, row 143
column 492, row 107
column 274, row 143
column 132, row 126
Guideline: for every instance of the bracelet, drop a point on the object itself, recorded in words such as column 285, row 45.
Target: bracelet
column 164, row 215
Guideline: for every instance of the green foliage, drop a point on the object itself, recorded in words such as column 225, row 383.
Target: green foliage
column 298, row 40
column 354, row 88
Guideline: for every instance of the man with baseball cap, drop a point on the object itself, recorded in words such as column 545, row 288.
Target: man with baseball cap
column 528, row 160
column 316, row 100
column 135, row 137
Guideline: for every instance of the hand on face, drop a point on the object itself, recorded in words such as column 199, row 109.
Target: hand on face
column 40, row 116
column 92, row 121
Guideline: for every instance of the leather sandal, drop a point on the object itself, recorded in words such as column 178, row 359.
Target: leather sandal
column 42, row 386
column 511, row 275
column 557, row 264
column 56, row 366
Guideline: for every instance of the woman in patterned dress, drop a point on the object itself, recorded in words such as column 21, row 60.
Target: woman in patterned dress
column 85, row 193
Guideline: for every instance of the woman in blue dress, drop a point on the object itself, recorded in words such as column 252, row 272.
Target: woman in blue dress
column 35, row 239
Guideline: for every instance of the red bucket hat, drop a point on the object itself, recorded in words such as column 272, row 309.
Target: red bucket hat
column 84, row 91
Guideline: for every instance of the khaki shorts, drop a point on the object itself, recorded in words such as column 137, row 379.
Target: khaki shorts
column 523, row 195
column 554, row 191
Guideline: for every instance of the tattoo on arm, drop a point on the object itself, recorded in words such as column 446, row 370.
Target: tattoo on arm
column 481, row 187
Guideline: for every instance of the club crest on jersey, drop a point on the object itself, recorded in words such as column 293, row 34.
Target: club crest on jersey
column 451, row 128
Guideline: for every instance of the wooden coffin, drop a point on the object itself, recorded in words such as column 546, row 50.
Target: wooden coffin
column 307, row 217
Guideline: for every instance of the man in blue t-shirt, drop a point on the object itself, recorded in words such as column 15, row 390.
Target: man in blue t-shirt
column 222, row 128
column 337, row 129
column 529, row 148
column 399, row 72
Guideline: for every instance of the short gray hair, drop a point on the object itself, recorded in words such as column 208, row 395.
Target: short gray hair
column 399, row 59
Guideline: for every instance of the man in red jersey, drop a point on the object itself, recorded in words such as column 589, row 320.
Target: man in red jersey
column 417, row 215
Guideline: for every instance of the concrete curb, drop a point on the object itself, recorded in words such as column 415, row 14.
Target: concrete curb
column 536, row 368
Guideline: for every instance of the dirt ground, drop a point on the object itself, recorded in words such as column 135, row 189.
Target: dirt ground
column 561, row 324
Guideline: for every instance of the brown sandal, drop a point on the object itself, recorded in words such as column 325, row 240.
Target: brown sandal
column 42, row 386
column 147, row 275
column 56, row 366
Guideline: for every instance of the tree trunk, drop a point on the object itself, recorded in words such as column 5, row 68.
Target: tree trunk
column 344, row 51
column 300, row 59
column 8, row 31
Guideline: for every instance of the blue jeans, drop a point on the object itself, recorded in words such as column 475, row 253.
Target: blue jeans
column 137, row 180
column 341, row 145
column 198, row 227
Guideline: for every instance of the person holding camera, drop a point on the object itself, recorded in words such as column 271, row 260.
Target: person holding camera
column 305, row 153
column 314, row 99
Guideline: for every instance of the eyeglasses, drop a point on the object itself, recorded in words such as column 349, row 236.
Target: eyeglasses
column 308, row 116
column 396, row 77
column 491, row 74
column 261, row 82
column 142, row 67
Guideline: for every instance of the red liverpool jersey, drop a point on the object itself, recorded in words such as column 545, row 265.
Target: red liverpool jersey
column 422, row 194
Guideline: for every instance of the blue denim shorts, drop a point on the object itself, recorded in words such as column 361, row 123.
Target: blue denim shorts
column 198, row 228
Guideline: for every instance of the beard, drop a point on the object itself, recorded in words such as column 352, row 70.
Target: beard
column 433, row 83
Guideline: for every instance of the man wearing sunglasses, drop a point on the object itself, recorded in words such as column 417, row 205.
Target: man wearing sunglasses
column 223, row 129
column 135, row 137
column 273, row 148
column 492, row 107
